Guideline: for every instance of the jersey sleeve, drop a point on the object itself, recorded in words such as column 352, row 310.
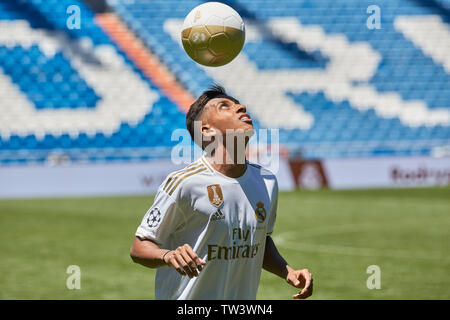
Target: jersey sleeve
column 273, row 212
column 162, row 219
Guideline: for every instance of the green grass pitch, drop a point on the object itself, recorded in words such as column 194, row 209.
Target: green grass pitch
column 335, row 234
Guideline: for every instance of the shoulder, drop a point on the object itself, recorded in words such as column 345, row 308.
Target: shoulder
column 264, row 173
column 184, row 178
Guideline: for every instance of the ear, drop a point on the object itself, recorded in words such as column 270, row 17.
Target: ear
column 207, row 130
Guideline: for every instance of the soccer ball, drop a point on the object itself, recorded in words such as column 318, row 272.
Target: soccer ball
column 213, row 34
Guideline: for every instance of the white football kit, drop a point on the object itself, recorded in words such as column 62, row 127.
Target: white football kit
column 225, row 221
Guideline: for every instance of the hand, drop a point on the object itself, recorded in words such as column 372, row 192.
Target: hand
column 185, row 261
column 301, row 279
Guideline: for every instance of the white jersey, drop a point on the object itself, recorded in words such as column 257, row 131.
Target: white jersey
column 225, row 221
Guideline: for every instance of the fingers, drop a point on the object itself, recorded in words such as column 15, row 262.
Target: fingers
column 308, row 286
column 173, row 261
column 293, row 279
column 186, row 261
column 182, row 262
column 296, row 282
column 188, row 264
column 199, row 262
column 305, row 293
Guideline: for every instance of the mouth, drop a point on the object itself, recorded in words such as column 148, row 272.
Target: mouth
column 246, row 118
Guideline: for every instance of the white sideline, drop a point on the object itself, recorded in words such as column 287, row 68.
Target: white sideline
column 286, row 241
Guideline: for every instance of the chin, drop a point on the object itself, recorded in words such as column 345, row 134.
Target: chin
column 247, row 128
column 246, row 125
column 250, row 131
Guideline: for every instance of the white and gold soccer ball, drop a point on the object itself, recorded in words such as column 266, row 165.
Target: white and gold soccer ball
column 213, row 34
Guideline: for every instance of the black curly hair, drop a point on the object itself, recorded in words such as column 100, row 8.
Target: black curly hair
column 196, row 109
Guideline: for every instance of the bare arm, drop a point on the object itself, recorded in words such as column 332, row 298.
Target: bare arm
column 147, row 253
column 275, row 263
column 183, row 259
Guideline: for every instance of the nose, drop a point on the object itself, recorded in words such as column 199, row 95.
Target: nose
column 241, row 108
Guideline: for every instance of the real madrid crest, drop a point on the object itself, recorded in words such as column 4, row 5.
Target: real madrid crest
column 215, row 194
column 260, row 212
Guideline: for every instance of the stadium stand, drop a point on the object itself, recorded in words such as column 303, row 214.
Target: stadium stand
column 313, row 69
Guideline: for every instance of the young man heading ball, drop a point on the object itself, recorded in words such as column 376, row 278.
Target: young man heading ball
column 208, row 230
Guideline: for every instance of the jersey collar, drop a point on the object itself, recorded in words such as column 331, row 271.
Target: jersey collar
column 243, row 177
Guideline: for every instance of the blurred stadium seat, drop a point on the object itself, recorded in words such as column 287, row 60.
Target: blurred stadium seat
column 395, row 99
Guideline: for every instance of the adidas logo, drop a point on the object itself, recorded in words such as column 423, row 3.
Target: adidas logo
column 218, row 215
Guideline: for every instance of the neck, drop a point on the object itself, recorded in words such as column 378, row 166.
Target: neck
column 228, row 163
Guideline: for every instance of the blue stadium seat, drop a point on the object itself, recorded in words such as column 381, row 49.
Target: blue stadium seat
column 52, row 83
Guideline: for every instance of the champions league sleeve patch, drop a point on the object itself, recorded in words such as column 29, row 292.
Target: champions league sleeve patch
column 154, row 218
